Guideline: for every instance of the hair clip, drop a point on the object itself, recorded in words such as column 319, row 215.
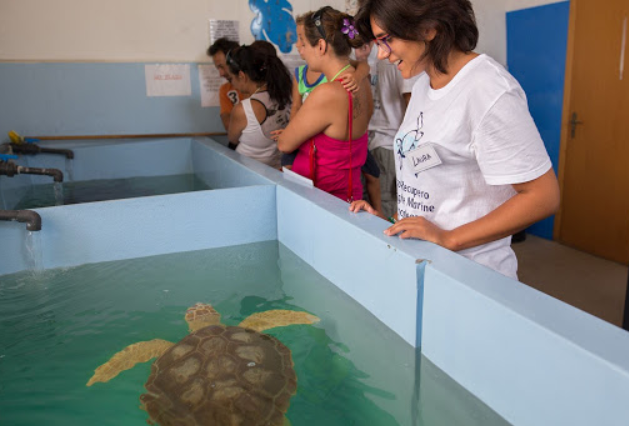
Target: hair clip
column 317, row 17
column 349, row 29
column 229, row 59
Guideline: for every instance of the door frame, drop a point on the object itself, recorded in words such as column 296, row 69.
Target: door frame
column 565, row 116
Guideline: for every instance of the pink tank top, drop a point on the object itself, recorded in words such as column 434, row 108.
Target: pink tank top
column 331, row 164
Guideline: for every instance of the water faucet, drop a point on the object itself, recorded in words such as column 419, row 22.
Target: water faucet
column 27, row 148
column 31, row 218
column 10, row 169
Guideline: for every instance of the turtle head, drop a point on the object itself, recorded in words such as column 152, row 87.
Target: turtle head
column 201, row 315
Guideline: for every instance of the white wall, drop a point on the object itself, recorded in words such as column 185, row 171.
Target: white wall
column 121, row 30
column 164, row 30
column 513, row 5
column 492, row 27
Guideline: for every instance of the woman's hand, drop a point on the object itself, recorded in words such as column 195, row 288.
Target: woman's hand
column 360, row 205
column 275, row 135
column 348, row 80
column 420, row 228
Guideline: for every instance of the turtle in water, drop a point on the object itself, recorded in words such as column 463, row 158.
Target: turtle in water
column 217, row 374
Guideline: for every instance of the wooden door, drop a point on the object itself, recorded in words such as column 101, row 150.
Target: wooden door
column 594, row 166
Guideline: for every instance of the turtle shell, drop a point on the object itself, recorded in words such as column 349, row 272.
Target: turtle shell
column 221, row 375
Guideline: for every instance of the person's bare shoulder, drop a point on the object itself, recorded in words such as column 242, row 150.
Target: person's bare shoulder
column 328, row 93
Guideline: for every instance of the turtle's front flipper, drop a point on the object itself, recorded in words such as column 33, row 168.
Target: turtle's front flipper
column 276, row 318
column 128, row 357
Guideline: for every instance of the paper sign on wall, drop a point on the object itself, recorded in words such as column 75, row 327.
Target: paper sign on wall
column 224, row 29
column 210, row 82
column 167, row 80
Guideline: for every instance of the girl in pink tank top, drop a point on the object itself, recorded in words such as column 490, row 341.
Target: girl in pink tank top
column 330, row 163
column 322, row 131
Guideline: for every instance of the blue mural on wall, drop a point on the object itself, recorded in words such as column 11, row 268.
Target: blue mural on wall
column 274, row 22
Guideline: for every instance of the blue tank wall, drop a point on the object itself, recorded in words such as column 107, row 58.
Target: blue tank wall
column 530, row 357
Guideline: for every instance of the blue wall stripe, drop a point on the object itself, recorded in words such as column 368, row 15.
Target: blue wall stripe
column 96, row 99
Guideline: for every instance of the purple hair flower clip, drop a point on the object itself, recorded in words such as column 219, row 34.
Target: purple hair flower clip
column 349, row 29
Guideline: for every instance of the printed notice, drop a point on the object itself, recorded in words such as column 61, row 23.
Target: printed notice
column 224, row 29
column 167, row 80
column 210, row 82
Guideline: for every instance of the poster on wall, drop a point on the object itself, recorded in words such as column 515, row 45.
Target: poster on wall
column 167, row 80
column 224, row 29
column 210, row 82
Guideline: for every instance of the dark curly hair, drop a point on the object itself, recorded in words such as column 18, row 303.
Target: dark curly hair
column 453, row 20
column 331, row 27
column 265, row 46
column 263, row 67
column 221, row 44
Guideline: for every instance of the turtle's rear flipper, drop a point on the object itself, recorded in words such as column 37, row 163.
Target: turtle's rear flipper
column 128, row 357
column 276, row 318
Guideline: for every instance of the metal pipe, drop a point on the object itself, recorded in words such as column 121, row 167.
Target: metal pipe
column 67, row 152
column 56, row 174
column 31, row 218
column 10, row 169
column 33, row 149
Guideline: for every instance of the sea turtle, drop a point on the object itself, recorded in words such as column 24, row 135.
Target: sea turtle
column 217, row 374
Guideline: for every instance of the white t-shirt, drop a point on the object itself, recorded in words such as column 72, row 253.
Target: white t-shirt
column 388, row 88
column 480, row 128
column 255, row 141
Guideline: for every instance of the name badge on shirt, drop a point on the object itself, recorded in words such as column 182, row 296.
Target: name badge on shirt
column 422, row 158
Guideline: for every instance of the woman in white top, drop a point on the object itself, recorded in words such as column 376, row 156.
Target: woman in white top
column 471, row 167
column 262, row 75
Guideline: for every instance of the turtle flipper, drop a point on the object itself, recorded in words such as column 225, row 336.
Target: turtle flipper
column 128, row 357
column 276, row 318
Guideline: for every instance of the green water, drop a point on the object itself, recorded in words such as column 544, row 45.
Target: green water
column 37, row 196
column 58, row 326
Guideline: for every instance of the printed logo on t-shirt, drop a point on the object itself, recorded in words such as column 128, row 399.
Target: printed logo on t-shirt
column 409, row 142
column 233, row 96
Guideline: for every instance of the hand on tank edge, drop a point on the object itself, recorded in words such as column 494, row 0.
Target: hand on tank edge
column 420, row 228
column 362, row 205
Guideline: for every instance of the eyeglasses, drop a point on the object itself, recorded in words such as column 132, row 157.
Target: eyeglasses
column 382, row 44
column 318, row 20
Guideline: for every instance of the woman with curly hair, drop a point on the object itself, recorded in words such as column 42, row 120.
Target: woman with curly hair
column 471, row 167
column 260, row 73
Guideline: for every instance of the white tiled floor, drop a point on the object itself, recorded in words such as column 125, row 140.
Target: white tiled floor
column 589, row 283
